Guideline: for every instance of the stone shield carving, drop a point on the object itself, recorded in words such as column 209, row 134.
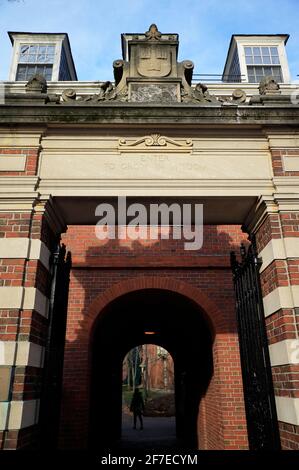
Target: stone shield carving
column 153, row 61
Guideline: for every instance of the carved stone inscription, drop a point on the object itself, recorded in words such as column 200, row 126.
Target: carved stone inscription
column 158, row 93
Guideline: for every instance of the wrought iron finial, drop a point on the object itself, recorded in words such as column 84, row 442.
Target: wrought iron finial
column 233, row 260
column 243, row 252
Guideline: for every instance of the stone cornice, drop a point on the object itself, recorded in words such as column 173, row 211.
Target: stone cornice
column 112, row 113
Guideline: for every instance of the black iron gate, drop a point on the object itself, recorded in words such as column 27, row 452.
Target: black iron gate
column 54, row 352
column 259, row 398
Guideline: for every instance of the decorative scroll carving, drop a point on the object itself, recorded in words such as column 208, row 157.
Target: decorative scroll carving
column 238, row 97
column 106, row 93
column 68, row 95
column 36, row 84
column 269, row 86
column 155, row 140
column 199, row 94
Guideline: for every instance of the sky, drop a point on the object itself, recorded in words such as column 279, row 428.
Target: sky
column 94, row 28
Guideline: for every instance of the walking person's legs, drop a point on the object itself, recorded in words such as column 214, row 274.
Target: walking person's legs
column 135, row 420
column 141, row 420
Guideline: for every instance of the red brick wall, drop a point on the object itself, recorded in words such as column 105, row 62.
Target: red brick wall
column 21, row 324
column 289, row 435
column 290, row 224
column 277, row 161
column 32, row 156
column 275, row 275
column 25, row 439
column 269, row 230
column 281, row 325
column 284, row 323
column 104, row 270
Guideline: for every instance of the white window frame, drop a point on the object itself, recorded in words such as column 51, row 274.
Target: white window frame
column 32, row 40
column 260, row 42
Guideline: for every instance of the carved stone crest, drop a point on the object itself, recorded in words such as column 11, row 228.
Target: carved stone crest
column 153, row 60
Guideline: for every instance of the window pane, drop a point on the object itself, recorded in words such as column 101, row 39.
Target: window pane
column 275, row 60
column 265, row 50
column 23, row 59
column 31, row 58
column 33, row 49
column 51, row 50
column 266, row 59
column 21, row 72
column 42, row 49
column 24, row 49
column 30, row 72
column 256, row 51
column 41, row 58
column 257, row 59
column 248, row 50
column 274, row 50
column 24, row 53
column 249, row 60
column 25, row 72
column 276, row 72
column 268, row 70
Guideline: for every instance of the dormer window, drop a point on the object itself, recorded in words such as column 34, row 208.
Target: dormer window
column 261, row 62
column 35, row 58
column 252, row 57
column 47, row 54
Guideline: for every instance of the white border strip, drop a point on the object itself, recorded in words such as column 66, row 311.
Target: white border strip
column 287, row 410
column 281, row 297
column 278, row 249
column 27, row 298
column 284, row 352
column 22, row 414
column 21, row 353
column 24, row 248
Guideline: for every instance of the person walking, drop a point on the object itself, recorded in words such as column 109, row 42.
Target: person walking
column 137, row 407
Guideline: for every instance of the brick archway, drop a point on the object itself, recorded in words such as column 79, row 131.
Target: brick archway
column 221, row 420
column 210, row 425
column 209, row 309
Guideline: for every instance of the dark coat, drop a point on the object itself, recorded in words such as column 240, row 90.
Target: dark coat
column 137, row 403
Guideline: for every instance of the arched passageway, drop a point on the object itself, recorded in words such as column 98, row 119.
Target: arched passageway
column 179, row 326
